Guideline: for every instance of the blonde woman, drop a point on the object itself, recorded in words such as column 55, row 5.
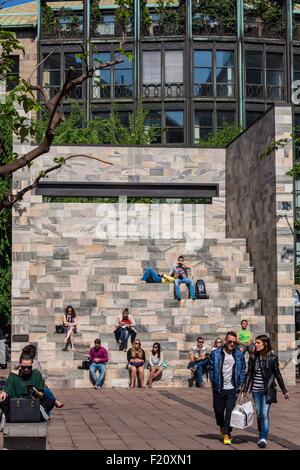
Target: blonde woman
column 136, row 359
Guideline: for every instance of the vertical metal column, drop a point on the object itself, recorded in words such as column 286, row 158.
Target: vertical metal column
column 240, row 61
column 136, row 58
column 39, row 19
column 87, row 19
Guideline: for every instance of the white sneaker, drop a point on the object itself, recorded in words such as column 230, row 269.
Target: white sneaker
column 262, row 443
column 2, row 422
column 96, row 388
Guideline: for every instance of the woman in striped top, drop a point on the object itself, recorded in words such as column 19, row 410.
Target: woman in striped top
column 263, row 369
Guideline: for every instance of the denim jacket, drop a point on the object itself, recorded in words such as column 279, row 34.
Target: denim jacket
column 216, row 365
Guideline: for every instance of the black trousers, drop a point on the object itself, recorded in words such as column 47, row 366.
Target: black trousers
column 224, row 404
column 5, row 407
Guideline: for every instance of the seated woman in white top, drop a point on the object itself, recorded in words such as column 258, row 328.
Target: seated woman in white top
column 155, row 363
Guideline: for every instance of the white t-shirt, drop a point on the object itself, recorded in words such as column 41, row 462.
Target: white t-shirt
column 227, row 371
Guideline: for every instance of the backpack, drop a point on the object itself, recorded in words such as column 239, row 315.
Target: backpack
column 200, row 290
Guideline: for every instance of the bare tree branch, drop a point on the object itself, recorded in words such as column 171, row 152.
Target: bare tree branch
column 40, row 63
column 55, row 118
column 10, row 199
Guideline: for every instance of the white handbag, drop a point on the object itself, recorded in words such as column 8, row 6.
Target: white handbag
column 243, row 414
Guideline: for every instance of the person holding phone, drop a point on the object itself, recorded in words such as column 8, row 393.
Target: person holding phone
column 27, row 383
column 180, row 273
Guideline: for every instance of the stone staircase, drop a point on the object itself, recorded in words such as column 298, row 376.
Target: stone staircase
column 223, row 264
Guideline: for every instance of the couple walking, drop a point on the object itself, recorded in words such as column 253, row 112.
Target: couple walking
column 228, row 377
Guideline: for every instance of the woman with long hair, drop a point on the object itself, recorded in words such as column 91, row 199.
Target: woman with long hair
column 136, row 360
column 70, row 323
column 155, row 363
column 217, row 344
column 263, row 369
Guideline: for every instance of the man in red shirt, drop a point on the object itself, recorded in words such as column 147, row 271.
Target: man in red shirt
column 98, row 357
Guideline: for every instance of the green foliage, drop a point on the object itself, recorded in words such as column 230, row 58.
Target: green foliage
column 130, row 200
column 167, row 14
column 124, row 15
column 297, row 225
column 223, row 10
column 77, row 130
column 223, row 137
column 269, row 11
column 272, row 147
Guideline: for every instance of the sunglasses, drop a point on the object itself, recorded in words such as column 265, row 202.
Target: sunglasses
column 137, row 343
column 200, row 342
column 26, row 367
column 231, row 342
column 219, row 342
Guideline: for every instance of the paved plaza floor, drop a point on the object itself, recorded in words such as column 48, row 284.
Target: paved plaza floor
column 159, row 419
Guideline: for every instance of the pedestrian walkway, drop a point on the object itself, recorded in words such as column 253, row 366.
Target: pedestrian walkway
column 159, row 419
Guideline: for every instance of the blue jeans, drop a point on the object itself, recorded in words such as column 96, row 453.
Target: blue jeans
column 122, row 334
column 262, row 412
column 199, row 368
column 101, row 368
column 48, row 395
column 150, row 272
column 188, row 282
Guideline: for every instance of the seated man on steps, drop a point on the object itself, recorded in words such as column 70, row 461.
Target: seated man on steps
column 180, row 273
column 98, row 358
column 151, row 276
column 199, row 359
column 20, row 386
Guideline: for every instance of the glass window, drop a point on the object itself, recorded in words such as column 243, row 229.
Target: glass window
column 252, row 116
column 225, row 74
column 203, row 124
column 13, row 75
column 154, row 118
column 151, row 73
column 227, row 116
column 173, row 67
column 203, row 73
column 297, row 67
column 174, row 127
column 173, row 74
column 51, row 74
column 123, row 78
column 73, row 65
column 254, row 75
column 124, row 117
column 101, row 78
column 274, row 76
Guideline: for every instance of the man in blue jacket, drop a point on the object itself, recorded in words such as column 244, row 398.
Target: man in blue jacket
column 227, row 371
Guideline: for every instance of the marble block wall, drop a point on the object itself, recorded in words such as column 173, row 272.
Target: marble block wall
column 259, row 207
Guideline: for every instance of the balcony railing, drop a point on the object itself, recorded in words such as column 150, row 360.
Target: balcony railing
column 214, row 27
column 257, row 28
column 171, row 90
column 106, row 91
column 62, row 31
column 208, row 90
column 52, row 90
column 164, row 29
column 111, row 29
column 260, row 92
column 205, row 90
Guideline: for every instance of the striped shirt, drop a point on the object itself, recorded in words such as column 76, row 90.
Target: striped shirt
column 258, row 381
